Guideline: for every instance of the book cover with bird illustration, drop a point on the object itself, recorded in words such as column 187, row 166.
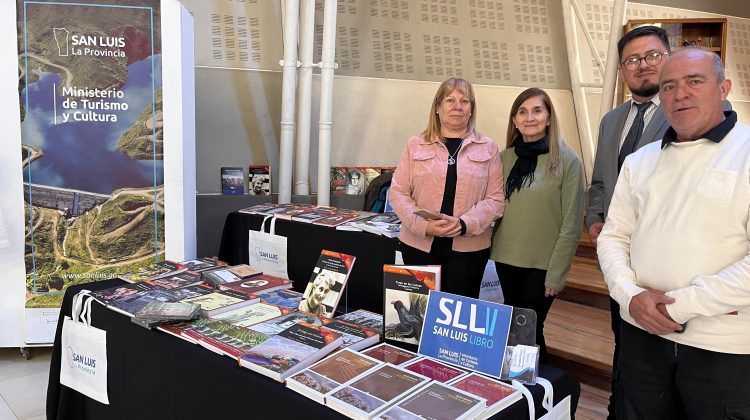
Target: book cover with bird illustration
column 405, row 300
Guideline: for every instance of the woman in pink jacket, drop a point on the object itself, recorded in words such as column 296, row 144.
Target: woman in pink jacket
column 450, row 169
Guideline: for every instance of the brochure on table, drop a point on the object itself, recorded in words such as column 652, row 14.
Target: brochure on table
column 469, row 333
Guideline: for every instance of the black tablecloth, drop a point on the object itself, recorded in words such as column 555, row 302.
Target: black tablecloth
column 304, row 243
column 153, row 375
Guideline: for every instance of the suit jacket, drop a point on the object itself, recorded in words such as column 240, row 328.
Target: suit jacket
column 608, row 148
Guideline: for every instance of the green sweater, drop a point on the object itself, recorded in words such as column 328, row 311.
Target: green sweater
column 542, row 223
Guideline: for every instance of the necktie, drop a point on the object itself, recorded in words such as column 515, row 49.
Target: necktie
column 631, row 139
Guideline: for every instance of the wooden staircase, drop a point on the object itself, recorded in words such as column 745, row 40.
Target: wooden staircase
column 577, row 331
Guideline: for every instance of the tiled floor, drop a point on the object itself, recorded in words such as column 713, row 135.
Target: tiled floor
column 23, row 383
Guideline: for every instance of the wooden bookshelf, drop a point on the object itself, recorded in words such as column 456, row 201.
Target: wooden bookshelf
column 710, row 34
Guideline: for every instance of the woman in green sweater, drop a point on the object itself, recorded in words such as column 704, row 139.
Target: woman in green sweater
column 537, row 237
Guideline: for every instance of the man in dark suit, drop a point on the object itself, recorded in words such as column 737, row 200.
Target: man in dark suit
column 625, row 129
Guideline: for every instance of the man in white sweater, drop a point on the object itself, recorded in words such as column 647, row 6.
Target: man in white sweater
column 675, row 252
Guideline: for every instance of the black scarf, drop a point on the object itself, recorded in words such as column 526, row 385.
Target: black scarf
column 522, row 173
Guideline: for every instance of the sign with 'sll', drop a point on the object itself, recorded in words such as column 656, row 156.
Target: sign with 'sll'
column 466, row 332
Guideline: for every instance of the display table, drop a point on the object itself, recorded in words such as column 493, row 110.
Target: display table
column 304, row 243
column 153, row 375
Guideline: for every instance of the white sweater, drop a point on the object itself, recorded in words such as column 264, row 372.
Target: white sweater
column 678, row 222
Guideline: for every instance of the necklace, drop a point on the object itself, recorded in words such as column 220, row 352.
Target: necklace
column 452, row 158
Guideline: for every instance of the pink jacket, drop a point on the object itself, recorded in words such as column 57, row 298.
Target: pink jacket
column 419, row 182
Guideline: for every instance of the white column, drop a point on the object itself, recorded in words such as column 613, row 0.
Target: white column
column 304, row 97
column 327, row 66
column 613, row 58
column 288, row 87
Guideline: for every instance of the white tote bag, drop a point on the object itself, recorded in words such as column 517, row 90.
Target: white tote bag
column 267, row 251
column 84, row 352
column 561, row 411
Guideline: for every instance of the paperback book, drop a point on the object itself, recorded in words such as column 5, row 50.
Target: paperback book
column 129, row 299
column 436, row 401
column 252, row 314
column 232, row 181
column 498, row 395
column 277, row 325
column 225, row 275
column 259, row 180
column 259, row 208
column 202, row 264
column 257, row 284
column 374, row 391
column 176, row 281
column 336, row 219
column 391, row 354
column 221, row 301
column 177, row 330
column 328, row 279
column 286, row 298
column 322, row 377
column 363, row 318
column 175, row 311
column 437, row 371
column 353, row 336
column 290, row 351
column 201, row 289
column 158, row 270
column 224, row 338
column 405, row 300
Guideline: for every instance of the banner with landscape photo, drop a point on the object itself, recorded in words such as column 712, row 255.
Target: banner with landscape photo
column 92, row 130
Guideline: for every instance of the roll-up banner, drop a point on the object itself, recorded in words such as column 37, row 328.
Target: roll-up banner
column 92, row 146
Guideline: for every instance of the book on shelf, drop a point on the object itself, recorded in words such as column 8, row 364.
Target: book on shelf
column 203, row 264
column 291, row 350
column 321, row 378
column 498, row 395
column 277, row 325
column 436, row 401
column 353, row 336
column 225, row 275
column 176, row 281
column 373, row 392
column 323, row 291
column 221, row 301
column 286, row 298
column 364, row 318
column 256, row 284
column 224, row 338
column 406, row 289
column 252, row 314
column 153, row 272
column 435, row 370
column 391, row 354
column 259, row 180
column 232, row 181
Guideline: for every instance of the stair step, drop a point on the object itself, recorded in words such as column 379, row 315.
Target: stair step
column 581, row 334
column 585, row 275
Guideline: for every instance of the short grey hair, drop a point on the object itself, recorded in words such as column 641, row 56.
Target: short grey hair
column 719, row 69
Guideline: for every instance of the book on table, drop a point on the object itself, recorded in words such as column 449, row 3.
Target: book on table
column 177, row 281
column 277, row 325
column 257, row 284
column 177, row 330
column 224, row 338
column 152, row 272
column 291, row 350
column 130, row 298
column 203, row 264
column 436, row 401
column 321, row 378
column 286, row 298
column 221, row 301
column 388, row 353
column 232, row 274
column 353, row 336
column 375, row 391
column 168, row 311
column 364, row 318
column 435, row 370
column 323, row 291
column 259, row 208
column 498, row 395
column 405, row 300
column 247, row 316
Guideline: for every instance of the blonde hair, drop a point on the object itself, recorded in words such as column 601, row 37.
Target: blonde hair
column 432, row 132
column 555, row 141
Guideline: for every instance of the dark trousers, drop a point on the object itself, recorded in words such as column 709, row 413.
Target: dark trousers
column 461, row 272
column 614, row 308
column 660, row 379
column 524, row 288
